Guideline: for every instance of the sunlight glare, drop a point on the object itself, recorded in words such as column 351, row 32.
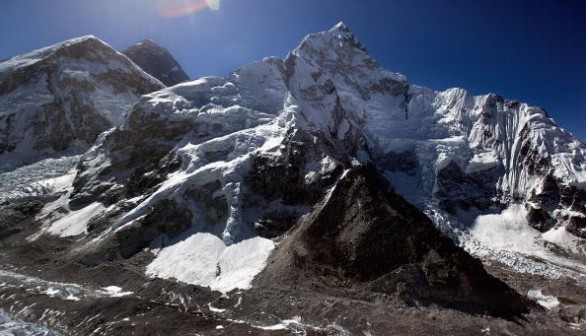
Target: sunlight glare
column 213, row 4
column 175, row 8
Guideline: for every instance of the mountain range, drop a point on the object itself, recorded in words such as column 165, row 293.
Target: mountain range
column 319, row 193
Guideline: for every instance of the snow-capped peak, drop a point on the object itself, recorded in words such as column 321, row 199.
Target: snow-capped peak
column 32, row 57
column 58, row 99
column 334, row 44
column 341, row 26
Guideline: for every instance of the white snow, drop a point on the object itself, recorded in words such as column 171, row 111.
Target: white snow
column 295, row 321
column 203, row 259
column 61, row 294
column 547, row 301
column 42, row 179
column 76, row 222
column 506, row 231
column 214, row 309
column 113, row 291
column 231, row 171
column 482, row 161
column 562, row 238
column 508, row 238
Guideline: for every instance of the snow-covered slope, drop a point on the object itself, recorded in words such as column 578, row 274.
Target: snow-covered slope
column 446, row 148
column 243, row 157
column 56, row 100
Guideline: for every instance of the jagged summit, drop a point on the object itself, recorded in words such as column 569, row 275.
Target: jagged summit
column 157, row 61
column 341, row 26
column 338, row 42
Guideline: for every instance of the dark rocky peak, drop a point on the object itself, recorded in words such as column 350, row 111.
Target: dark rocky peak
column 365, row 237
column 157, row 61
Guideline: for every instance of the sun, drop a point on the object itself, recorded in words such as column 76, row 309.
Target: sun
column 174, row 8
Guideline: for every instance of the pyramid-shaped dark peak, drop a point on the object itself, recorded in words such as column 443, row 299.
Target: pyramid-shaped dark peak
column 148, row 43
column 368, row 237
column 157, row 61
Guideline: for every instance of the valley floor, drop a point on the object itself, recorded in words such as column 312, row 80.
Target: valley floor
column 40, row 285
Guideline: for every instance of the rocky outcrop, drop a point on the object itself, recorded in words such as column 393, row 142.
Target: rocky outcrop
column 363, row 235
column 157, row 62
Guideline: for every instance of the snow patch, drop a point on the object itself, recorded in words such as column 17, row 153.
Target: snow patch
column 508, row 238
column 284, row 325
column 507, row 231
column 214, row 309
column 113, row 291
column 562, row 238
column 76, row 222
column 546, row 301
column 482, row 161
column 203, row 259
column 61, row 293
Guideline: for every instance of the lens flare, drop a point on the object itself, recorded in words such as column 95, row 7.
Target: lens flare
column 175, row 8
column 213, row 4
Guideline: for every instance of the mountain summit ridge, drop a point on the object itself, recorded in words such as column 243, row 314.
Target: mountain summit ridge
column 57, row 100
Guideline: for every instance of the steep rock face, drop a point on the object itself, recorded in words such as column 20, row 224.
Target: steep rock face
column 223, row 150
column 157, row 61
column 449, row 149
column 57, row 100
column 189, row 147
column 365, row 236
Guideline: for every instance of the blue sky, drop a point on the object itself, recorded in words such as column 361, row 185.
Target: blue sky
column 531, row 50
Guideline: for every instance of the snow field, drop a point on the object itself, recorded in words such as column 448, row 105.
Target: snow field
column 203, row 259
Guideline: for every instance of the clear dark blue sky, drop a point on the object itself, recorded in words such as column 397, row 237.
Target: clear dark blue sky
column 531, row 50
